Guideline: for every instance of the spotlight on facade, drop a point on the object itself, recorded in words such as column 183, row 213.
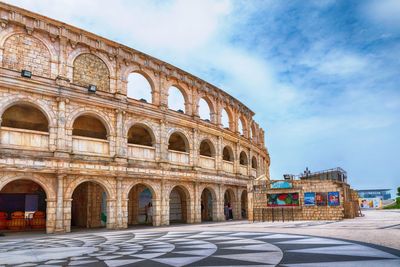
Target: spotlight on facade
column 143, row 100
column 26, row 73
column 92, row 88
column 180, row 111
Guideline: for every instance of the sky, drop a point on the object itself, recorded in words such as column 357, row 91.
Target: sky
column 322, row 76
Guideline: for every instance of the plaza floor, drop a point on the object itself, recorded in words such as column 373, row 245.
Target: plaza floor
column 372, row 240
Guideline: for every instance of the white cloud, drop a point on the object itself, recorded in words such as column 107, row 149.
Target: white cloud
column 384, row 12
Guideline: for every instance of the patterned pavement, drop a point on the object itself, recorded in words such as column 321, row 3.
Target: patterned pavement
column 127, row 248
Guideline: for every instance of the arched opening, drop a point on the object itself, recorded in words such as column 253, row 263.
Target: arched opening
column 254, row 162
column 22, row 206
column 140, row 135
column 24, row 116
column 140, row 205
column 240, row 127
column 178, row 142
column 139, row 87
column 229, row 203
column 176, row 100
column 207, row 149
column 89, row 126
column 225, row 119
column 243, row 202
column 89, row 70
column 253, row 133
column 227, row 154
column 89, row 206
column 243, row 159
column 204, row 110
column 207, row 203
column 178, row 205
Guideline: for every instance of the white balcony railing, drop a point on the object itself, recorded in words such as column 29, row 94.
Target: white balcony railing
column 141, row 152
column 207, row 162
column 178, row 157
column 21, row 138
column 87, row 145
column 243, row 170
column 227, row 166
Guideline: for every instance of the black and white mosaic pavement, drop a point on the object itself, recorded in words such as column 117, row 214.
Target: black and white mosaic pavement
column 128, row 248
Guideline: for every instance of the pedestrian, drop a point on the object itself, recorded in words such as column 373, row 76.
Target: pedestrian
column 150, row 213
column 230, row 211
column 146, row 213
column 226, row 211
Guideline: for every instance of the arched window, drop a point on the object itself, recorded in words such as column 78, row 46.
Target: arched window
column 89, row 69
column 140, row 135
column 227, row 154
column 139, row 87
column 204, row 110
column 207, row 149
column 24, row 116
column 176, row 101
column 254, row 162
column 240, row 127
column 253, row 133
column 178, row 142
column 89, row 126
column 225, row 121
column 243, row 158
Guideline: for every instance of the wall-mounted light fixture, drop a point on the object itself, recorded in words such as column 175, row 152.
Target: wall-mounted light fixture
column 26, row 73
column 92, row 88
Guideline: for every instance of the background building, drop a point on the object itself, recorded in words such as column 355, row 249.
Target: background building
column 383, row 194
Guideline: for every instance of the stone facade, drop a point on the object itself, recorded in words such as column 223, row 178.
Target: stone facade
column 262, row 212
column 98, row 165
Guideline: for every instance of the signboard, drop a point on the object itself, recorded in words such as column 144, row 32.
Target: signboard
column 333, row 199
column 281, row 185
column 309, row 199
column 370, row 203
column 283, row 199
column 321, row 199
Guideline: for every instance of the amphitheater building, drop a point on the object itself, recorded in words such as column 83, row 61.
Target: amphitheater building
column 76, row 146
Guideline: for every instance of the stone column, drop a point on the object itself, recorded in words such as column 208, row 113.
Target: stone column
column 164, row 207
column 61, row 120
column 67, row 214
column 218, row 154
column 50, row 215
column 194, row 152
column 60, row 204
column 220, row 204
column 120, row 215
column 163, row 151
column 197, row 203
column 121, row 146
column 111, row 220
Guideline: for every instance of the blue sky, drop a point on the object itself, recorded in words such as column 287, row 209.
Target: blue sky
column 322, row 76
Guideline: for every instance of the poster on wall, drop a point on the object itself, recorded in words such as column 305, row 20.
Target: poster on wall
column 333, row 199
column 309, row 199
column 283, row 199
column 320, row 198
column 370, row 203
column 281, row 185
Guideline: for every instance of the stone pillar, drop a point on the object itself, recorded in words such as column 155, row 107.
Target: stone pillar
column 60, row 204
column 218, row 154
column 164, row 207
column 250, row 199
column 194, row 152
column 121, row 144
column 163, row 151
column 157, row 214
column 119, row 214
column 111, row 220
column 220, row 204
column 50, row 215
column 61, row 120
column 67, row 214
column 197, row 203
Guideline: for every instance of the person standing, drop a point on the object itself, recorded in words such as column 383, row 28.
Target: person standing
column 150, row 213
column 226, row 211
column 230, row 211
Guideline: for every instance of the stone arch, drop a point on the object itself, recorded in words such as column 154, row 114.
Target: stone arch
column 230, row 200
column 23, row 116
column 74, row 183
column 244, row 204
column 254, row 133
column 227, row 154
column 184, row 139
column 145, row 127
column 37, row 103
column 84, row 50
column 211, row 107
column 185, row 204
column 90, row 69
column 41, row 50
column 149, row 82
column 243, row 159
column 254, row 163
column 91, row 112
column 206, row 213
column 207, row 148
column 138, row 208
column 229, row 114
column 243, row 121
column 185, row 94
column 40, row 180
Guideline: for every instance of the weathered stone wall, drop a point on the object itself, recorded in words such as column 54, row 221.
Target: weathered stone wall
column 261, row 211
column 89, row 69
column 57, row 159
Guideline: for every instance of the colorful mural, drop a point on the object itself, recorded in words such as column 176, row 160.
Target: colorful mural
column 333, row 199
column 321, row 199
column 309, row 199
column 283, row 199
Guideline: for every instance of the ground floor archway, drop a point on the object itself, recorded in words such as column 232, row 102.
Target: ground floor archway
column 229, row 205
column 23, row 206
column 89, row 206
column 207, row 203
column 141, row 205
column 243, row 204
column 178, row 205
